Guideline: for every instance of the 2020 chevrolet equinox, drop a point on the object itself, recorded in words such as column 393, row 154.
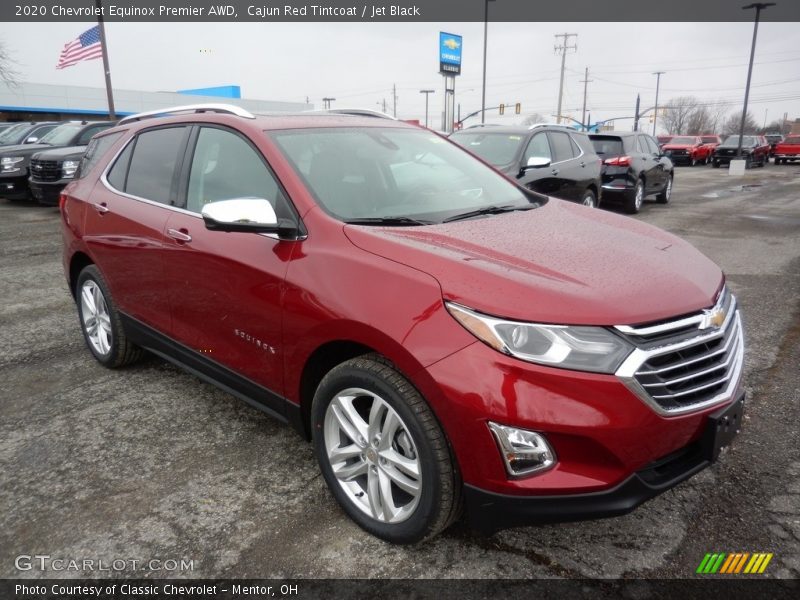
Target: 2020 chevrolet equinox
column 448, row 340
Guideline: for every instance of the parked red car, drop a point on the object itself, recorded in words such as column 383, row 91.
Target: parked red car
column 687, row 149
column 711, row 141
column 663, row 139
column 788, row 150
column 445, row 337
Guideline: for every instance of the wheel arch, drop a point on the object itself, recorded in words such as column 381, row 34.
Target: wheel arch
column 77, row 263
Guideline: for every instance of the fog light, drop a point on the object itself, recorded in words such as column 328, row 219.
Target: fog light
column 524, row 452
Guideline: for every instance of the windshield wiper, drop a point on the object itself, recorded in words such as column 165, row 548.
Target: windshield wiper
column 402, row 221
column 488, row 210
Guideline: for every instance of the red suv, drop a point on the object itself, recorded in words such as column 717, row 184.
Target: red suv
column 446, row 338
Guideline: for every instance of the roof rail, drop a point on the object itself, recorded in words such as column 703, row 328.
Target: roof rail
column 535, row 125
column 229, row 109
column 359, row 112
column 483, row 125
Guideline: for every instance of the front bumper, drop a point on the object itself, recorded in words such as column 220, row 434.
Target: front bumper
column 14, row 188
column 47, row 192
column 489, row 511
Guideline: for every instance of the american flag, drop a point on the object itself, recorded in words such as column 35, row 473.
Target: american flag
column 85, row 47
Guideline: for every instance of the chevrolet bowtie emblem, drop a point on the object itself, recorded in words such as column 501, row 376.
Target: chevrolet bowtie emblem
column 714, row 317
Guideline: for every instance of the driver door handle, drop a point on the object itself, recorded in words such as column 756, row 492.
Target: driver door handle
column 179, row 235
column 554, row 171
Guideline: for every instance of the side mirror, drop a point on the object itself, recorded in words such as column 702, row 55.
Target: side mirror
column 31, row 140
column 254, row 215
column 535, row 162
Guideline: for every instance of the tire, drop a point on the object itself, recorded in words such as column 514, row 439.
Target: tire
column 715, row 164
column 633, row 202
column 748, row 162
column 665, row 194
column 366, row 469
column 692, row 162
column 589, row 199
column 100, row 322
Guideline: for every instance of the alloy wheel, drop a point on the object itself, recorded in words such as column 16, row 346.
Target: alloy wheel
column 372, row 455
column 639, row 198
column 96, row 318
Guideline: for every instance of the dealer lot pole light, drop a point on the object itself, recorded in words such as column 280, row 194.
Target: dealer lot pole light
column 427, row 94
column 759, row 6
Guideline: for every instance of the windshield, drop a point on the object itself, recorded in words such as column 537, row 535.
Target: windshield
column 733, row 140
column 682, row 141
column 392, row 173
column 12, row 134
column 61, row 135
column 498, row 149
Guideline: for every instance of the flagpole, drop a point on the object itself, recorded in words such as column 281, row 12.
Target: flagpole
column 106, row 68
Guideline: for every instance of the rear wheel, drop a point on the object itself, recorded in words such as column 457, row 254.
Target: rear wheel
column 748, row 162
column 692, row 162
column 665, row 194
column 382, row 452
column 589, row 199
column 633, row 203
column 715, row 164
column 100, row 322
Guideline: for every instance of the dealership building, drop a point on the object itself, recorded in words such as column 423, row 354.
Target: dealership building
column 45, row 102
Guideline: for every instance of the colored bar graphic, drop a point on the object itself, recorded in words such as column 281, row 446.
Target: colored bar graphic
column 734, row 563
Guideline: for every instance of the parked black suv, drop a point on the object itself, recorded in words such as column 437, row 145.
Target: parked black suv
column 27, row 132
column 550, row 159
column 15, row 160
column 52, row 170
column 633, row 167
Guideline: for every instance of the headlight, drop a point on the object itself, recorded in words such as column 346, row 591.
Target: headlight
column 582, row 348
column 68, row 168
column 8, row 164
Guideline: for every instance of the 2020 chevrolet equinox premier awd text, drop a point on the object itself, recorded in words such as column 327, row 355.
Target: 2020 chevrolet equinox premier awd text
column 447, row 339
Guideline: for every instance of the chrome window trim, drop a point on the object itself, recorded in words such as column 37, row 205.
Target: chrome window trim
column 178, row 209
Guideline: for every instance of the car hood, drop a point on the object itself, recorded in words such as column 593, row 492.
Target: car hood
column 679, row 146
column 69, row 152
column 560, row 263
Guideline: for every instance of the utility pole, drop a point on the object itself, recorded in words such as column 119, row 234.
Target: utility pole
column 584, row 81
column 427, row 93
column 636, row 115
column 485, row 33
column 106, row 68
column 759, row 6
column 394, row 95
column 658, row 75
column 326, row 103
column 563, row 47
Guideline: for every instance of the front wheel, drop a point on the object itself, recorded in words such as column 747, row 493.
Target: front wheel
column 589, row 199
column 100, row 322
column 382, row 452
column 665, row 194
column 693, row 162
column 715, row 164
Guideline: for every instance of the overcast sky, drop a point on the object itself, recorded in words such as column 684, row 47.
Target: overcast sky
column 357, row 63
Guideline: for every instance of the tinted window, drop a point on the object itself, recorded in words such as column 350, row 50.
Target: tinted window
column 97, row 148
column 84, row 138
column 62, row 135
column 225, row 166
column 562, row 146
column 41, row 131
column 607, row 146
column 13, row 133
column 116, row 176
column 153, row 163
column 652, row 145
column 538, row 147
column 495, row 148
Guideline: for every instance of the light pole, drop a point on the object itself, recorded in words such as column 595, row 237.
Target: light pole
column 485, row 33
column 326, row 102
column 759, row 6
column 658, row 75
column 427, row 93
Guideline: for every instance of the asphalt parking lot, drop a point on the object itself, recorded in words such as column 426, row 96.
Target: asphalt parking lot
column 149, row 462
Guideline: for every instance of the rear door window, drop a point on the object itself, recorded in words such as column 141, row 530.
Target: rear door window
column 152, row 165
column 562, row 146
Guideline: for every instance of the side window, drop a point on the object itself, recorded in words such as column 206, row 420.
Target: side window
column 576, row 149
column 225, row 166
column 562, row 146
column 152, row 165
column 97, row 148
column 119, row 172
column 40, row 132
column 538, row 147
column 652, row 145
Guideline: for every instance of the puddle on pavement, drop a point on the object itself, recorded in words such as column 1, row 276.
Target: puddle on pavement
column 747, row 187
column 791, row 221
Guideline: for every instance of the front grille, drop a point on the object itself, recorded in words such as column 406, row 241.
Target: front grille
column 46, row 170
column 689, row 363
column 678, row 152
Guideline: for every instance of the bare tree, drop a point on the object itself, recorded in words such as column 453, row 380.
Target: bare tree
column 532, row 119
column 733, row 123
column 677, row 114
column 8, row 72
column 700, row 120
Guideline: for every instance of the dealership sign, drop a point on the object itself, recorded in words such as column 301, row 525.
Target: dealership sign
column 449, row 53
